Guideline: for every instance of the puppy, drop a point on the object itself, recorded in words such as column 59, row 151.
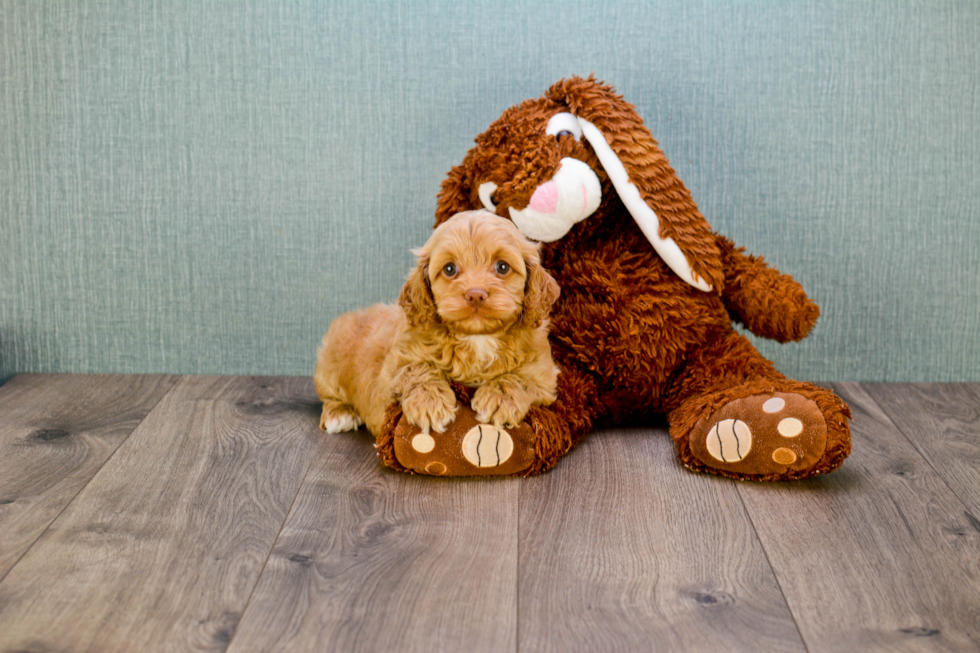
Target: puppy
column 474, row 310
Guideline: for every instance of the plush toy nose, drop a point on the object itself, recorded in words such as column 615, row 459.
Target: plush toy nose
column 545, row 198
column 476, row 297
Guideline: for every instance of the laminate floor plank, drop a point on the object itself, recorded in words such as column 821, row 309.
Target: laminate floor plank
column 56, row 432
column 374, row 560
column 152, row 513
column 877, row 556
column 622, row 549
column 942, row 421
column 161, row 550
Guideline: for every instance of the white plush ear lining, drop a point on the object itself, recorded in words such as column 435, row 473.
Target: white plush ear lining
column 486, row 192
column 645, row 217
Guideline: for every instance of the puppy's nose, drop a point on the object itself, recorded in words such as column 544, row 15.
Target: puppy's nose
column 476, row 297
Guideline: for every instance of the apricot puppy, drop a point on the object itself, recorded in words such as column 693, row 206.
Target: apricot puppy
column 474, row 310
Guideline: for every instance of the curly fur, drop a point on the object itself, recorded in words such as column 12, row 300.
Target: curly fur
column 473, row 311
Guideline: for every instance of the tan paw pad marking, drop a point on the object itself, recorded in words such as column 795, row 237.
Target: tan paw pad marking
column 790, row 427
column 423, row 443
column 784, row 456
column 487, row 446
column 729, row 440
column 774, row 405
column 435, row 468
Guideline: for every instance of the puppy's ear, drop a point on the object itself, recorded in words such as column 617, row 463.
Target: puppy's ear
column 416, row 296
column 541, row 291
column 659, row 202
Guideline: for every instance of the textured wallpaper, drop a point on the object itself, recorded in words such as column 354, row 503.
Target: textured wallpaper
column 200, row 187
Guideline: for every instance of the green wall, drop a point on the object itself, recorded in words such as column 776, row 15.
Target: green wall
column 200, row 187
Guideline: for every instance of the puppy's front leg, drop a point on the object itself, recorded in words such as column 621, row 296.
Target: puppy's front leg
column 426, row 398
column 505, row 400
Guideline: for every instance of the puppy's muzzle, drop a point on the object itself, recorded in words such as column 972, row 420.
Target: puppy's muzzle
column 476, row 297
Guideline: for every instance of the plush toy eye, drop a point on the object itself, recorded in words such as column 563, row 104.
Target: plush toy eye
column 563, row 132
column 449, row 269
column 564, row 123
column 502, row 268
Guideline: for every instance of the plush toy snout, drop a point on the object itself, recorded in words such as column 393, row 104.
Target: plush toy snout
column 571, row 196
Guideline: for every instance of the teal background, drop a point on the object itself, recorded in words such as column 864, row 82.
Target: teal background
column 201, row 187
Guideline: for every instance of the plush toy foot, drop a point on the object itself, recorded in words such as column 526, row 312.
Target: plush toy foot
column 770, row 436
column 467, row 448
column 771, row 433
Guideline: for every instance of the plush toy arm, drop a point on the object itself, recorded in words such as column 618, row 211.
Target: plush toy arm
column 768, row 303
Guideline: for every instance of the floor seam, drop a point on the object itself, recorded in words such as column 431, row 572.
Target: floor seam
column 517, row 580
column 258, row 578
column 775, row 576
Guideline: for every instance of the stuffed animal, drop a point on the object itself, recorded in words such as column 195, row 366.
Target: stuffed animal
column 648, row 297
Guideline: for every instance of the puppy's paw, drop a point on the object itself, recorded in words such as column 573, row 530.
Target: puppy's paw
column 338, row 418
column 430, row 406
column 500, row 404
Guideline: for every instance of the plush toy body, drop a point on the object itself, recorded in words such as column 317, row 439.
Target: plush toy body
column 648, row 297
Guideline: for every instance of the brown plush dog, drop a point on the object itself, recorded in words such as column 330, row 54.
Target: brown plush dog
column 649, row 292
column 474, row 312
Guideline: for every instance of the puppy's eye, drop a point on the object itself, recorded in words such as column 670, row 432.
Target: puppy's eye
column 449, row 269
column 502, row 268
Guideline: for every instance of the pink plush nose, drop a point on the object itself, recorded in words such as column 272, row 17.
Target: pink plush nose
column 545, row 198
column 476, row 297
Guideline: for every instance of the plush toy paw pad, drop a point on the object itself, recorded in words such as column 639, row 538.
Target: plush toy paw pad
column 423, row 443
column 762, row 434
column 487, row 446
column 730, row 441
column 784, row 456
column 467, row 448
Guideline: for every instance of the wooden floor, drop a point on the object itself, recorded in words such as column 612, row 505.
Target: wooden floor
column 162, row 513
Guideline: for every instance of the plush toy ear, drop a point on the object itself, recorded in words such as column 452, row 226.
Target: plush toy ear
column 416, row 296
column 455, row 194
column 541, row 292
column 648, row 186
